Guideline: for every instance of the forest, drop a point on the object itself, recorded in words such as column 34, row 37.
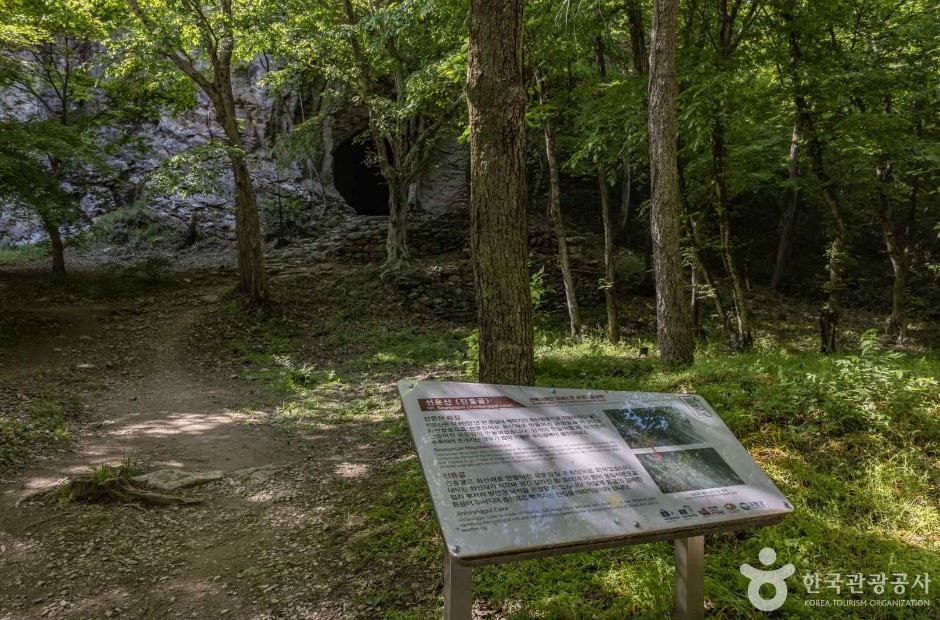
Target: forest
column 229, row 228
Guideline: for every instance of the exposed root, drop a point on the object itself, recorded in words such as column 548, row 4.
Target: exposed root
column 87, row 489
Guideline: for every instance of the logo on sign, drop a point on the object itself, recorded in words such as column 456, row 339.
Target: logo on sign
column 776, row 578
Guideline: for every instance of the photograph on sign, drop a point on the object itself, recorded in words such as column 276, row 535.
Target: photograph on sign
column 641, row 427
column 514, row 469
column 689, row 470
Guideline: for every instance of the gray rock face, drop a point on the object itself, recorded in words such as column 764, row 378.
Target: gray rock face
column 306, row 187
column 445, row 184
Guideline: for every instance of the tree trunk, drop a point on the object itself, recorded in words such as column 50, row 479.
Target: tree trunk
column 699, row 268
column 674, row 329
column 897, row 253
column 626, row 180
column 498, row 231
column 252, row 278
column 739, row 337
column 396, row 244
column 554, row 213
column 254, row 282
column 740, row 334
column 607, row 215
column 788, row 220
column 829, row 313
column 897, row 324
column 192, row 232
column 637, row 38
column 610, row 286
column 58, row 251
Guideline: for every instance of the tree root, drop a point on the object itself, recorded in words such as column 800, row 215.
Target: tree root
column 87, row 489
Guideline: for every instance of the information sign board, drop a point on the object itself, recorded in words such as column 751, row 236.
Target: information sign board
column 518, row 469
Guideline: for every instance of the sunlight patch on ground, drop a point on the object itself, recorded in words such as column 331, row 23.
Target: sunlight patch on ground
column 176, row 424
column 351, row 470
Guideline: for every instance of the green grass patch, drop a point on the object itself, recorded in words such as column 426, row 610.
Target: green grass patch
column 16, row 254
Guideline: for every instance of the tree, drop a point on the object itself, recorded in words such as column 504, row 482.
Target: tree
column 47, row 55
column 548, row 51
column 607, row 217
column 554, row 208
column 413, row 46
column 674, row 331
column 26, row 185
column 728, row 39
column 202, row 41
column 791, row 202
column 498, row 231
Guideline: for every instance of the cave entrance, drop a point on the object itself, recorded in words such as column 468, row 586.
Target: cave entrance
column 360, row 184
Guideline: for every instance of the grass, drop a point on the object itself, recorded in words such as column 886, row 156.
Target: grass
column 853, row 440
column 135, row 226
column 37, row 424
column 15, row 254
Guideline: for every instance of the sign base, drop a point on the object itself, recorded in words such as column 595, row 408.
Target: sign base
column 689, row 594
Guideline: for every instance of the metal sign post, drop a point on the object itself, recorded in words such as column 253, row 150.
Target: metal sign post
column 519, row 473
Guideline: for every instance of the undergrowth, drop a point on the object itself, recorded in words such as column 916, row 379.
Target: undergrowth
column 853, row 440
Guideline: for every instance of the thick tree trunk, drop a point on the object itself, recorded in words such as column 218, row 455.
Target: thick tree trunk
column 788, row 219
column 554, row 213
column 498, row 231
column 396, row 244
column 674, row 329
column 58, row 250
column 254, row 282
column 610, row 286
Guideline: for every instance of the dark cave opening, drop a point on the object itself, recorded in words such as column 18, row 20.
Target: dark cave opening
column 360, row 184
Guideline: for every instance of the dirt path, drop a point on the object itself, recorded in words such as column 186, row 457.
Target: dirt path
column 126, row 561
column 172, row 416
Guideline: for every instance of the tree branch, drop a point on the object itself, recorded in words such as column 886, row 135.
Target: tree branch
column 177, row 56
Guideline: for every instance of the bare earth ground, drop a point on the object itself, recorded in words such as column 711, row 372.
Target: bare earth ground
column 264, row 544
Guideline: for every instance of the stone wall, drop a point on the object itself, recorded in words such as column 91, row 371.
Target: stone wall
column 444, row 285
